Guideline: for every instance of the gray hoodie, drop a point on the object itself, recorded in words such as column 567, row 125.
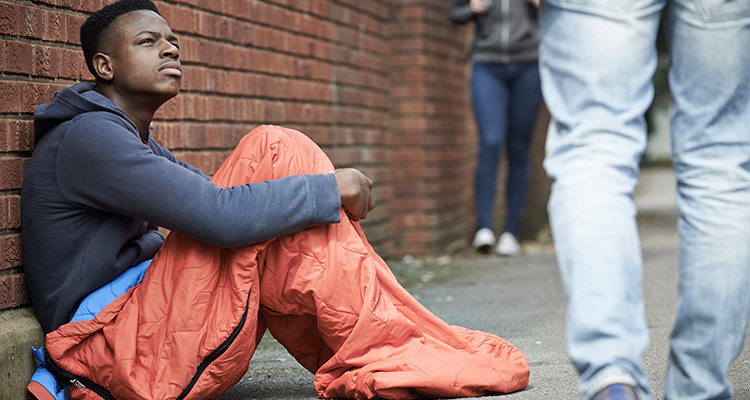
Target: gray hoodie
column 507, row 33
column 95, row 193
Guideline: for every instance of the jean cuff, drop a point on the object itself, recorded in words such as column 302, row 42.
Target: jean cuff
column 608, row 376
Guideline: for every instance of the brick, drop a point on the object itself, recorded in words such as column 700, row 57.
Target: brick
column 242, row 33
column 9, row 18
column 319, row 70
column 315, row 27
column 13, row 292
column 89, row 5
column 207, row 25
column 19, row 57
column 414, row 221
column 10, row 251
column 273, row 15
column 69, row 68
column 11, row 172
column 49, row 2
column 68, row 64
column 183, row 108
column 416, row 239
column 409, row 60
column 214, row 6
column 320, row 7
column 413, row 12
column 73, row 25
column 31, row 22
column 180, row 19
column 238, row 8
column 34, row 94
column 16, row 135
column 193, row 78
column 42, row 64
column 55, row 28
column 10, row 97
column 10, row 212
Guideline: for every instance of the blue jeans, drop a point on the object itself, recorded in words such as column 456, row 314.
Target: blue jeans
column 597, row 60
column 506, row 100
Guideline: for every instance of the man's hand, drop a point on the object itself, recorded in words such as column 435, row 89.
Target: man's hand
column 354, row 189
column 480, row 6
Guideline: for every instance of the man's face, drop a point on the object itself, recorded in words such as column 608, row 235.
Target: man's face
column 145, row 56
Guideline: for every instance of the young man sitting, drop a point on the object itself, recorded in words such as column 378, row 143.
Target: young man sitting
column 271, row 241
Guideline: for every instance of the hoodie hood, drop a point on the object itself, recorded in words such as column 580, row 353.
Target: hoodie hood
column 69, row 103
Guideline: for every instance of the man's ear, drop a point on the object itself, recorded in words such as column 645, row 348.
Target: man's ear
column 103, row 67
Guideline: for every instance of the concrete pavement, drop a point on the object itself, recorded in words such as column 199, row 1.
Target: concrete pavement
column 521, row 299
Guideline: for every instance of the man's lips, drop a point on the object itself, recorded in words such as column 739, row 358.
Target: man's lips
column 172, row 68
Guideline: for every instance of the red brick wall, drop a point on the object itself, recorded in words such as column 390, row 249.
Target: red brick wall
column 380, row 85
column 38, row 54
column 434, row 153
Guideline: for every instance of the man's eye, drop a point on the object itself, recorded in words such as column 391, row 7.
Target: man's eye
column 146, row 41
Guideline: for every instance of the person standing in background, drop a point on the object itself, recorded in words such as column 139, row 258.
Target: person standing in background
column 506, row 96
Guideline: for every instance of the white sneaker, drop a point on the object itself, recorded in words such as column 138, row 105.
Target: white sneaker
column 483, row 240
column 508, row 245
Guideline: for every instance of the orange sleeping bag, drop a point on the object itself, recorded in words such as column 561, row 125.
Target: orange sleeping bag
column 189, row 329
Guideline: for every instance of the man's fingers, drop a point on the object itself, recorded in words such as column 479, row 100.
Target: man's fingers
column 355, row 189
column 370, row 203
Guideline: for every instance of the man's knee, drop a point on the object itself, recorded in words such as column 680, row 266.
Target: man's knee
column 284, row 146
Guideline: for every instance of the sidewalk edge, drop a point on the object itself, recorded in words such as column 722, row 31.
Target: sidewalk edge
column 19, row 330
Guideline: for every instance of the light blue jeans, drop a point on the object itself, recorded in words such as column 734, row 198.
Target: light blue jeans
column 597, row 61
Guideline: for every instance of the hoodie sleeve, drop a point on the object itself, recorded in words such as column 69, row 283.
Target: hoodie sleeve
column 461, row 12
column 162, row 152
column 103, row 165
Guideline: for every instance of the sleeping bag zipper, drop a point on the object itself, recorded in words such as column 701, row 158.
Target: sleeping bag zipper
column 72, row 380
column 217, row 352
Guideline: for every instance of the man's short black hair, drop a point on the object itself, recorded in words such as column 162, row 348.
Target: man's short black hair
column 97, row 23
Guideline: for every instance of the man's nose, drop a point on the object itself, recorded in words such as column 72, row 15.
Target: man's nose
column 170, row 50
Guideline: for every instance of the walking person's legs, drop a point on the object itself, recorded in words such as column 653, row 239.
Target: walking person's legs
column 597, row 60
column 490, row 100
column 711, row 142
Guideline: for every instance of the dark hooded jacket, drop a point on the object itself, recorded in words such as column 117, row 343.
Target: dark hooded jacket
column 507, row 33
column 95, row 193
